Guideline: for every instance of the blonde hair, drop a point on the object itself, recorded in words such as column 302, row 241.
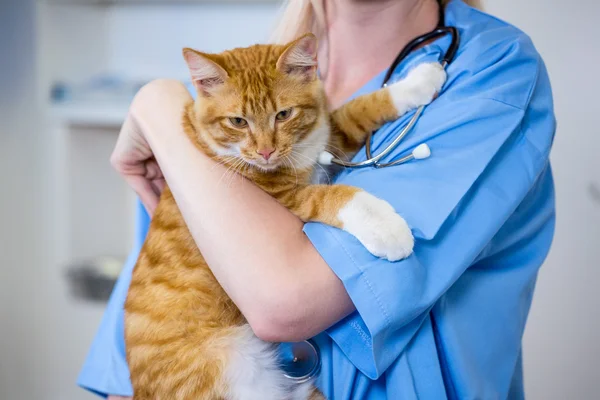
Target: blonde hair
column 301, row 16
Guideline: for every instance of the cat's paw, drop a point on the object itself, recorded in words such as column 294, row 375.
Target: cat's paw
column 375, row 223
column 419, row 87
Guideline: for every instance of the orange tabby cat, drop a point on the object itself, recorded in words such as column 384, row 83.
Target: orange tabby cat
column 185, row 338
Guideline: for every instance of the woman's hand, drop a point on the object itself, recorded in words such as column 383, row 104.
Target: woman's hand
column 133, row 157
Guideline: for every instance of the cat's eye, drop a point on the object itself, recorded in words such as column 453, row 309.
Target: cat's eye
column 284, row 114
column 238, row 122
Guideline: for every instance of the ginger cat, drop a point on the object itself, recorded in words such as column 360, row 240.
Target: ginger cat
column 185, row 339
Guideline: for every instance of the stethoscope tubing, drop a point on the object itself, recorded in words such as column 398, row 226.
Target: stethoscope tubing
column 374, row 161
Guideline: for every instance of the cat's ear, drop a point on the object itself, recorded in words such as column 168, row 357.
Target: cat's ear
column 300, row 57
column 207, row 75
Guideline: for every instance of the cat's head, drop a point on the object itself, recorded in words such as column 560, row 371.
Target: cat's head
column 262, row 104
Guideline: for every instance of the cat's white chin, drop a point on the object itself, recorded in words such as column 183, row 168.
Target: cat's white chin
column 265, row 167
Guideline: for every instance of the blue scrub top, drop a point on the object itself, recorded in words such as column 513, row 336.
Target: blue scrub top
column 447, row 322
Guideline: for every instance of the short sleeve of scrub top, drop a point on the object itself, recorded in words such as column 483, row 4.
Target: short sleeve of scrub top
column 446, row 322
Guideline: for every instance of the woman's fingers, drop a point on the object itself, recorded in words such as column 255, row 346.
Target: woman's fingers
column 145, row 190
column 132, row 156
column 152, row 170
column 146, row 179
column 158, row 185
column 133, row 159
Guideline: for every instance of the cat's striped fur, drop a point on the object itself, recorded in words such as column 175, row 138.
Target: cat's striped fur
column 185, row 339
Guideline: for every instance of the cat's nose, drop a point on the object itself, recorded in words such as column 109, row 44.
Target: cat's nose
column 266, row 153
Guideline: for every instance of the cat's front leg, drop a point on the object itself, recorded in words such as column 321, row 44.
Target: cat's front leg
column 373, row 221
column 418, row 88
column 355, row 120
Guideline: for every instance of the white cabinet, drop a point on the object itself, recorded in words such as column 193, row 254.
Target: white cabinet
column 95, row 206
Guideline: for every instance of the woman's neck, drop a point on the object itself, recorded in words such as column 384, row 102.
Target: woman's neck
column 364, row 37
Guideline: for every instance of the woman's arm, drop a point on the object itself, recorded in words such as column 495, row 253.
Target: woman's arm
column 255, row 247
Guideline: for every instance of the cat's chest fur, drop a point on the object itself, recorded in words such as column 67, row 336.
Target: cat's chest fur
column 325, row 174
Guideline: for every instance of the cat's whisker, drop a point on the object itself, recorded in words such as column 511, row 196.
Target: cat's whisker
column 304, row 156
column 317, row 164
column 247, row 166
column 222, row 176
column 242, row 170
column 226, row 173
column 222, row 162
column 291, row 164
column 336, row 151
column 296, row 160
column 227, row 162
column 237, row 164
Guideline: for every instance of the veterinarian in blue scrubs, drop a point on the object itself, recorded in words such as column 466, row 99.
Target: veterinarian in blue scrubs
column 447, row 322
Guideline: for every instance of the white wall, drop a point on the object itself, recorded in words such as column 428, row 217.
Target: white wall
column 562, row 346
column 71, row 41
column 146, row 41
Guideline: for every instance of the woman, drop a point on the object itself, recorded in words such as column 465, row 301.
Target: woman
column 445, row 323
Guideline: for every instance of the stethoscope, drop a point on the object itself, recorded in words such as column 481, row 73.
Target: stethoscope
column 421, row 151
column 301, row 361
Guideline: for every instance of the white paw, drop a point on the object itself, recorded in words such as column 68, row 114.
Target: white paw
column 375, row 223
column 419, row 87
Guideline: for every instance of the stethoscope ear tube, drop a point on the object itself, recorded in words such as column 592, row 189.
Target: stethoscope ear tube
column 395, row 143
column 454, row 44
column 415, row 43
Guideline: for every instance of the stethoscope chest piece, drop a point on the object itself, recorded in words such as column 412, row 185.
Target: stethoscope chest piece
column 300, row 361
